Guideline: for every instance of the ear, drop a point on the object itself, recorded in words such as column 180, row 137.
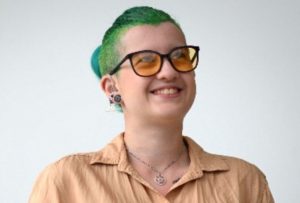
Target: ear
column 107, row 84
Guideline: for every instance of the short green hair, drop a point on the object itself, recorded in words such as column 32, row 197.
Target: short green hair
column 106, row 56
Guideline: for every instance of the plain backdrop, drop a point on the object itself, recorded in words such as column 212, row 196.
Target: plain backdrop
column 247, row 102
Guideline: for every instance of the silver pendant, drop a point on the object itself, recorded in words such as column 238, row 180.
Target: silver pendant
column 160, row 180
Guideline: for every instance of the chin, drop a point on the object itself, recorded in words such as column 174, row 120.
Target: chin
column 169, row 114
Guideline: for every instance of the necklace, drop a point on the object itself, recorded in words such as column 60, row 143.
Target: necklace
column 159, row 179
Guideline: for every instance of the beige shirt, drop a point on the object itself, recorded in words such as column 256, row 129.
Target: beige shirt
column 107, row 176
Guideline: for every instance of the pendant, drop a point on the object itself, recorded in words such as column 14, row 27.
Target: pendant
column 160, row 180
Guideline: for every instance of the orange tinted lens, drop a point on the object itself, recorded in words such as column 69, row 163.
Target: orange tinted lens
column 184, row 59
column 146, row 63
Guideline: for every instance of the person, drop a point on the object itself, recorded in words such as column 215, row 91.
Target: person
column 147, row 70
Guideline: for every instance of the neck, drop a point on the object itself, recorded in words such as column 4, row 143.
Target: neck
column 156, row 143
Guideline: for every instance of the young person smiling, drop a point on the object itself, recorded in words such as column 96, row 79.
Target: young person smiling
column 146, row 69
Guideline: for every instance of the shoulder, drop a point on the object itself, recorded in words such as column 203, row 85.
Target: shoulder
column 79, row 165
column 241, row 179
column 67, row 165
column 244, row 179
column 73, row 159
column 55, row 181
column 232, row 166
column 233, row 169
column 65, row 169
column 241, row 168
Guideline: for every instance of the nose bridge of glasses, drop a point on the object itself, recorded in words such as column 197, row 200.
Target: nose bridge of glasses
column 166, row 60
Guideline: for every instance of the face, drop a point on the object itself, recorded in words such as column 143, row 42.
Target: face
column 166, row 95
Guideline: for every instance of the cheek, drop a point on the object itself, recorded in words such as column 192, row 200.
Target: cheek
column 190, row 81
column 193, row 90
column 191, row 85
column 131, row 86
column 123, row 79
column 194, row 84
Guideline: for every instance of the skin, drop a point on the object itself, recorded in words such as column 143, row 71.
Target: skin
column 153, row 120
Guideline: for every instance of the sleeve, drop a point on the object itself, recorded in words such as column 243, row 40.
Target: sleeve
column 255, row 188
column 45, row 189
column 267, row 196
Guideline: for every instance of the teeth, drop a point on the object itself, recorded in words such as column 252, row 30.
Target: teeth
column 167, row 91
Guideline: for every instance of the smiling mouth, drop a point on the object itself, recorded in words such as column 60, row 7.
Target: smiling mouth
column 166, row 91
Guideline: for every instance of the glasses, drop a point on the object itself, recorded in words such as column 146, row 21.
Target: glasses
column 148, row 63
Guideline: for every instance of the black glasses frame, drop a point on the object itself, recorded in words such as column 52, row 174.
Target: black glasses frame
column 162, row 56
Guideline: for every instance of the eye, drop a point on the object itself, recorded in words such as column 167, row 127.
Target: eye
column 147, row 58
column 180, row 54
column 144, row 58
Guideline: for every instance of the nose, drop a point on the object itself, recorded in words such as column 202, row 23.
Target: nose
column 167, row 72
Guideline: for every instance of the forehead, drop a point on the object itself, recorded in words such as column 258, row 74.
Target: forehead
column 161, row 38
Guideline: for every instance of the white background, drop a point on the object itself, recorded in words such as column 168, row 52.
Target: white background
column 247, row 101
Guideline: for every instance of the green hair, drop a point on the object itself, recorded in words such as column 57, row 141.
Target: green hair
column 106, row 56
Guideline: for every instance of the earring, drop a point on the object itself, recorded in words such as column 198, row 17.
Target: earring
column 115, row 103
column 115, row 98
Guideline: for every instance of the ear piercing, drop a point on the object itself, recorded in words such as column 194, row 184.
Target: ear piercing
column 115, row 98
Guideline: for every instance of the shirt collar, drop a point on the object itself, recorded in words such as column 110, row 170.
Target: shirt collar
column 111, row 153
column 201, row 161
column 115, row 154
